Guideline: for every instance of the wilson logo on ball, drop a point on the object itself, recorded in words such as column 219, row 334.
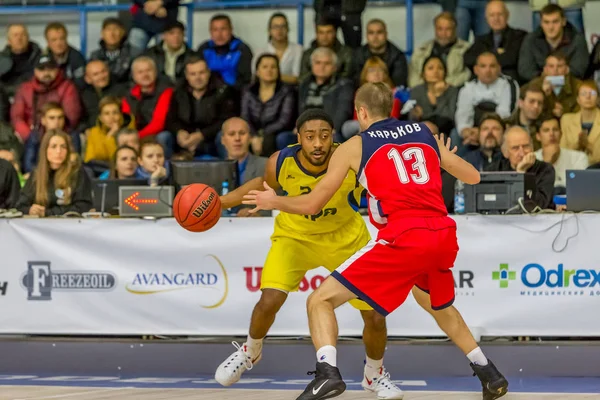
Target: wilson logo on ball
column 203, row 206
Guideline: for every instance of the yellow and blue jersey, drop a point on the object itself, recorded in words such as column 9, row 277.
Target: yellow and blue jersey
column 295, row 180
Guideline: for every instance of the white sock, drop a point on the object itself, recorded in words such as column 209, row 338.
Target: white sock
column 327, row 354
column 477, row 357
column 372, row 367
column 254, row 346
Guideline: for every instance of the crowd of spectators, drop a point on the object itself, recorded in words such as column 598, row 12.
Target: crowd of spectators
column 510, row 101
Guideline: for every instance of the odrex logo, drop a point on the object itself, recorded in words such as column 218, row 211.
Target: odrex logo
column 40, row 281
column 504, row 275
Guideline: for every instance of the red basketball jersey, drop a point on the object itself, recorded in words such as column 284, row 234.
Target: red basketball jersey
column 400, row 168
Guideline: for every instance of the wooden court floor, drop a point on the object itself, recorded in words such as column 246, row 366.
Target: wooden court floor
column 82, row 393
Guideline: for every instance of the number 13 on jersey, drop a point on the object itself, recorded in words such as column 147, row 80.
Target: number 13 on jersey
column 417, row 172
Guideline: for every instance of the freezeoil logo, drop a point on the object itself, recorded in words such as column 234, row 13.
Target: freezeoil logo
column 40, row 281
column 554, row 281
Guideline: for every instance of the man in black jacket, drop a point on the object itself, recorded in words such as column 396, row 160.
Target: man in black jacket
column 114, row 50
column 171, row 54
column 517, row 150
column 18, row 58
column 99, row 83
column 9, row 185
column 347, row 14
column 70, row 60
column 379, row 45
column 199, row 106
column 502, row 40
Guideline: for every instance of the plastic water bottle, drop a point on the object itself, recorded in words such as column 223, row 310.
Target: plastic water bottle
column 459, row 197
column 224, row 191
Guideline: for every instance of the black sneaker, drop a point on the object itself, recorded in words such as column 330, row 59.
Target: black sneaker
column 327, row 384
column 493, row 383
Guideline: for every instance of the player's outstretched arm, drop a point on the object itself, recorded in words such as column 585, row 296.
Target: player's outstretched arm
column 235, row 197
column 455, row 165
column 312, row 203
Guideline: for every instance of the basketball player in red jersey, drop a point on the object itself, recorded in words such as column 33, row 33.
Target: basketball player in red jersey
column 398, row 163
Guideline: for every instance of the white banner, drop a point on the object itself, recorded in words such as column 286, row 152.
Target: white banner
column 517, row 275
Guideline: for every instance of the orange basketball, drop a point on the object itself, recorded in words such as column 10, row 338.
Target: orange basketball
column 197, row 207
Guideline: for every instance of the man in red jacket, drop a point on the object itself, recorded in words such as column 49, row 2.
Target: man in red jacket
column 48, row 84
column 148, row 101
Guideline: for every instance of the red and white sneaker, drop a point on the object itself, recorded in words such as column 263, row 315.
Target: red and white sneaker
column 230, row 371
column 382, row 386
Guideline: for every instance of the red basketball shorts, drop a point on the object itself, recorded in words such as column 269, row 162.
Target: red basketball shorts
column 418, row 252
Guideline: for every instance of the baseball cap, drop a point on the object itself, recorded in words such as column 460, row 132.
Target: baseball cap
column 46, row 61
column 112, row 21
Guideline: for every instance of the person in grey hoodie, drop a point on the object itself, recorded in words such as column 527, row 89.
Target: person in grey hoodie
column 490, row 91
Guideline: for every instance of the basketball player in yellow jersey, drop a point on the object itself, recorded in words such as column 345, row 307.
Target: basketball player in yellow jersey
column 304, row 242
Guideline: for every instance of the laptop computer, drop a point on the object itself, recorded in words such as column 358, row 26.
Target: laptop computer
column 583, row 190
column 105, row 193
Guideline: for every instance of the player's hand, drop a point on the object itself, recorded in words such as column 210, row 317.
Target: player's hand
column 263, row 200
column 447, row 144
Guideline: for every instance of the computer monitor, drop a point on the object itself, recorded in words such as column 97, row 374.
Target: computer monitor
column 500, row 192
column 210, row 172
column 583, row 190
column 105, row 193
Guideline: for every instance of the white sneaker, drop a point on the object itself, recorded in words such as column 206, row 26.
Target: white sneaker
column 383, row 386
column 230, row 371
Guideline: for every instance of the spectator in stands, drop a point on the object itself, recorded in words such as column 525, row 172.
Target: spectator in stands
column 269, row 107
column 489, row 92
column 374, row 71
column 11, row 156
column 445, row 46
column 52, row 119
column 527, row 115
column 572, row 8
column 236, row 140
column 288, row 53
column 490, row 133
column 150, row 17
column 123, row 165
column 504, row 41
column 18, row 58
column 9, row 185
column 70, row 60
column 114, row 50
column 148, row 102
column 152, row 163
column 101, row 142
column 128, row 137
column 435, row 100
column 379, row 45
column 326, row 37
column 99, row 83
column 470, row 16
column 559, row 86
column 325, row 90
column 345, row 14
column 581, row 130
column 517, row 150
column 172, row 52
column 554, row 34
column 551, row 152
column 200, row 105
column 226, row 54
column 48, row 84
column 56, row 186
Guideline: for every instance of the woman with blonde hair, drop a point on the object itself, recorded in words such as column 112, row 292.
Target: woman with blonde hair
column 581, row 129
column 57, row 185
column 374, row 71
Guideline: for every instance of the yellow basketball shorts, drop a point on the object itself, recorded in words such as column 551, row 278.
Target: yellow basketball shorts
column 292, row 255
